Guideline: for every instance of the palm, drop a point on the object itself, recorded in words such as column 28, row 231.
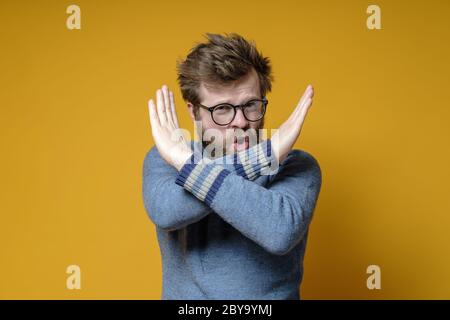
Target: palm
column 168, row 136
column 286, row 135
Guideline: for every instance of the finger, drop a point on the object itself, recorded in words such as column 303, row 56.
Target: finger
column 161, row 110
column 154, row 120
column 309, row 92
column 173, row 109
column 165, row 91
column 305, row 109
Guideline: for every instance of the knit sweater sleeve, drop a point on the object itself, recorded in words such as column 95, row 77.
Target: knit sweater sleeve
column 277, row 217
column 167, row 203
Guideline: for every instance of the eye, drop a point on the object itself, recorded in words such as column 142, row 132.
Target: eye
column 222, row 108
column 253, row 104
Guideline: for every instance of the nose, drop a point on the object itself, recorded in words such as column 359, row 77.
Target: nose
column 239, row 120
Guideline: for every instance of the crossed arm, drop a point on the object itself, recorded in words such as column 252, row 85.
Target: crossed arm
column 276, row 218
column 164, row 188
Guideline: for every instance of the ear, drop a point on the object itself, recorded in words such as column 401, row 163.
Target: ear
column 191, row 110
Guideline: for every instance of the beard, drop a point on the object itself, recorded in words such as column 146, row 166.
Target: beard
column 232, row 141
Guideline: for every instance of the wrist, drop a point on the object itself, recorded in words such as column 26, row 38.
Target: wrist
column 181, row 160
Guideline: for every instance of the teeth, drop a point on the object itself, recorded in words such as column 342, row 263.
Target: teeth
column 241, row 139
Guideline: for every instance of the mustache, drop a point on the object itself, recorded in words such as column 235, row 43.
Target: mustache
column 230, row 136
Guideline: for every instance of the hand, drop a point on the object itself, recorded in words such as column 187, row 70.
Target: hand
column 168, row 137
column 286, row 135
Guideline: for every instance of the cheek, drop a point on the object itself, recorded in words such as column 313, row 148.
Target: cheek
column 257, row 125
column 207, row 123
column 205, row 118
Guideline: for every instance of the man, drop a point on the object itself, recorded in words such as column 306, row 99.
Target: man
column 229, row 231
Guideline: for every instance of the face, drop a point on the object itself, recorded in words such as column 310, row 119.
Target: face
column 237, row 92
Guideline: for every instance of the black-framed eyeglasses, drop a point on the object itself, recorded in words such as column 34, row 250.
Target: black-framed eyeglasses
column 224, row 113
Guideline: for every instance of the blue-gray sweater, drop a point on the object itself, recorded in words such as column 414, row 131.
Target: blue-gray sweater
column 232, row 230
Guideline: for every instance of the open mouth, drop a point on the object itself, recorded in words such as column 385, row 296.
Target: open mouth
column 240, row 140
column 241, row 143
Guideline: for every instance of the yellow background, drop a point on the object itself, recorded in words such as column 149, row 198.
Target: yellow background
column 74, row 132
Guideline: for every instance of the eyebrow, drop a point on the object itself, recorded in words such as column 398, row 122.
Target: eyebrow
column 228, row 102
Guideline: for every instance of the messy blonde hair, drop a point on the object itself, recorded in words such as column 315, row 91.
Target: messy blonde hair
column 222, row 59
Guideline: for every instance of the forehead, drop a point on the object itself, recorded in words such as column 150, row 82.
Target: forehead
column 236, row 92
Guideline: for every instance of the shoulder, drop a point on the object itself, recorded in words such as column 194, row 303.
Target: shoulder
column 302, row 162
column 301, row 157
column 152, row 154
column 153, row 158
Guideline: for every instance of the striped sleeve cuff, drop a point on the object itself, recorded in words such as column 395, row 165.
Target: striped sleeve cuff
column 202, row 180
column 251, row 163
